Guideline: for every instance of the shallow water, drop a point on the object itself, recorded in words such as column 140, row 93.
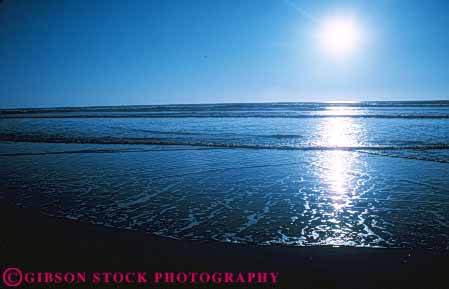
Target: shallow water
column 369, row 174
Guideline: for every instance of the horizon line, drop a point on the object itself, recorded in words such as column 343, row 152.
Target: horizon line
column 221, row 103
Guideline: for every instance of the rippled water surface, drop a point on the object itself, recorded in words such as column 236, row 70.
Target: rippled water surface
column 359, row 174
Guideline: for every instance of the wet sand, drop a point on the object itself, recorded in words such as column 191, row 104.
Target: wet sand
column 35, row 242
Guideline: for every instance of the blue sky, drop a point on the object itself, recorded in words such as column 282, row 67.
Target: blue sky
column 80, row 53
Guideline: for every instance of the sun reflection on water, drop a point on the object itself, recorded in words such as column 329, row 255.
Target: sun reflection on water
column 338, row 172
column 337, row 165
column 338, row 132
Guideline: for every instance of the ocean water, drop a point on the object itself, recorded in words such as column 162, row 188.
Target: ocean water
column 371, row 174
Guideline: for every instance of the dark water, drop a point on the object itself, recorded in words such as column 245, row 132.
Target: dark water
column 357, row 174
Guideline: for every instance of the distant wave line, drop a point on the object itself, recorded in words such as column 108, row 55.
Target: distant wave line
column 384, row 116
column 155, row 141
column 234, row 106
column 226, row 134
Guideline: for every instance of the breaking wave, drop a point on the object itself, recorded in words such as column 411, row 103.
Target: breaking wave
column 206, row 143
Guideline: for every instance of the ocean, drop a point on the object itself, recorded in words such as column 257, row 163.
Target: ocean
column 363, row 174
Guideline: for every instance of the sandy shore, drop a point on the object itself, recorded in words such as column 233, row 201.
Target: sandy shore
column 35, row 242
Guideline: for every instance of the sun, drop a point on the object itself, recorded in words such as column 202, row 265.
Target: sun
column 340, row 36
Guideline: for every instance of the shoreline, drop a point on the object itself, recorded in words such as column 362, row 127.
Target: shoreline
column 35, row 242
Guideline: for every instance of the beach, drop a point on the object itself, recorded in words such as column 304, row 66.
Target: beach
column 35, row 242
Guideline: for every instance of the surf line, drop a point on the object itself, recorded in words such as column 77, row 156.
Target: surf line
column 216, row 277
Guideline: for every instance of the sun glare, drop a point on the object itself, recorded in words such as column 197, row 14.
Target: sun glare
column 340, row 36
